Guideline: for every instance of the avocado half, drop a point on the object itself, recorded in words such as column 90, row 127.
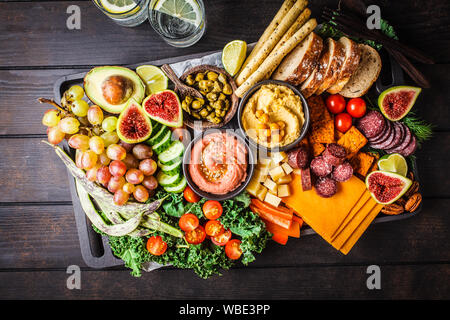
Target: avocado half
column 110, row 87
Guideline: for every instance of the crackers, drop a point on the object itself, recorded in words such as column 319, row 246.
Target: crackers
column 353, row 140
column 322, row 123
column 362, row 162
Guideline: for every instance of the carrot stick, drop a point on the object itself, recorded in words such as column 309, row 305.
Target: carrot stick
column 284, row 213
column 294, row 230
column 284, row 223
column 299, row 220
column 274, row 228
column 280, row 238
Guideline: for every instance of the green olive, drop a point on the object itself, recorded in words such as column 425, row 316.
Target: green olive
column 227, row 89
column 185, row 106
column 199, row 77
column 219, row 104
column 212, row 76
column 188, row 99
column 216, row 120
column 196, row 115
column 227, row 104
column 203, row 113
column 205, row 84
column 212, row 96
column 223, row 113
column 217, row 86
column 209, row 108
column 197, row 104
column 222, row 78
column 190, row 80
column 222, row 96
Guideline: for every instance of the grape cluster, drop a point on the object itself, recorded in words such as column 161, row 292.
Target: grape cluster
column 124, row 169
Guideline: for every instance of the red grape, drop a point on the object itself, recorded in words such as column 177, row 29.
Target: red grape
column 117, row 168
column 89, row 159
column 131, row 161
column 103, row 175
column 140, row 193
column 128, row 188
column 116, row 152
column 79, row 141
column 115, row 183
column 55, row 135
column 148, row 166
column 134, row 176
column 120, row 197
column 97, row 144
column 142, row 151
column 95, row 115
column 150, row 182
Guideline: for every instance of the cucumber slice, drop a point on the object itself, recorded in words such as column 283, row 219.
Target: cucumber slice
column 179, row 187
column 173, row 154
column 158, row 136
column 170, row 169
column 156, row 126
column 165, row 142
column 168, row 181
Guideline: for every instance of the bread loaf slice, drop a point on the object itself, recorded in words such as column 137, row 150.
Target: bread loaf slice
column 298, row 65
column 365, row 75
column 331, row 73
column 349, row 66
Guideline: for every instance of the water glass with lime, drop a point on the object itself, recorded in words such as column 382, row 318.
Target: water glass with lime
column 181, row 23
column 127, row 13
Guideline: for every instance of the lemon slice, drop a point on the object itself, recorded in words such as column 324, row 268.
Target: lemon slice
column 233, row 56
column 187, row 10
column 118, row 6
column 154, row 78
column 393, row 163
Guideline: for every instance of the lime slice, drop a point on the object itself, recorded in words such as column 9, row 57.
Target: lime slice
column 187, row 10
column 154, row 78
column 393, row 163
column 233, row 56
column 118, row 6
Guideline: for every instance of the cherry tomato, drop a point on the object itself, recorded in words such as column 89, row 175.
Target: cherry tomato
column 214, row 228
column 195, row 236
column 212, row 209
column 190, row 195
column 356, row 107
column 222, row 239
column 156, row 246
column 233, row 249
column 335, row 103
column 188, row 222
column 343, row 122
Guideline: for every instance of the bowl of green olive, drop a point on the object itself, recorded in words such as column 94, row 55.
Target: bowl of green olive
column 218, row 103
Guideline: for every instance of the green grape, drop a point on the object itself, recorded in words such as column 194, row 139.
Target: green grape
column 109, row 124
column 110, row 138
column 51, row 118
column 80, row 108
column 97, row 144
column 69, row 125
column 95, row 115
column 74, row 93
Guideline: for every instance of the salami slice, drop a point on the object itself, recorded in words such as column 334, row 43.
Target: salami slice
column 410, row 148
column 334, row 154
column 298, row 158
column 325, row 187
column 387, row 142
column 398, row 136
column 404, row 143
column 342, row 172
column 384, row 135
column 306, row 179
column 320, row 167
column 372, row 124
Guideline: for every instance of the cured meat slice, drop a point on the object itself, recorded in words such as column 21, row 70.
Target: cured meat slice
column 406, row 140
column 325, row 187
column 306, row 179
column 372, row 124
column 410, row 148
column 342, row 172
column 334, row 154
column 398, row 136
column 383, row 135
column 320, row 167
column 387, row 142
column 298, row 158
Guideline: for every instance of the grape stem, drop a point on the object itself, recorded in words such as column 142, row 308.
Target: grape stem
column 53, row 103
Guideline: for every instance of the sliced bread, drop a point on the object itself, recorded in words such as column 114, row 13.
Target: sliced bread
column 298, row 65
column 365, row 75
column 334, row 67
column 349, row 66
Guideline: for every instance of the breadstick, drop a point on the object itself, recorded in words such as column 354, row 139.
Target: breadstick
column 287, row 4
column 275, row 57
column 271, row 42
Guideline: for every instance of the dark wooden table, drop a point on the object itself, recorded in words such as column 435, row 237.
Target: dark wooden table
column 38, row 236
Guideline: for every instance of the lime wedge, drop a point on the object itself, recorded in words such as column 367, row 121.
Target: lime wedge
column 393, row 163
column 187, row 10
column 118, row 6
column 154, row 78
column 233, row 56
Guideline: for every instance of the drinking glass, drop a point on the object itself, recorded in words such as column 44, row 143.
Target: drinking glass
column 127, row 13
column 181, row 23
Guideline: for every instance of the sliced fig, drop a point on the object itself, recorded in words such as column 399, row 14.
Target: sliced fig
column 133, row 125
column 164, row 107
column 396, row 102
column 387, row 187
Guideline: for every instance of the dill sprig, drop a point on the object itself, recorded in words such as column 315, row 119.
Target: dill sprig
column 421, row 129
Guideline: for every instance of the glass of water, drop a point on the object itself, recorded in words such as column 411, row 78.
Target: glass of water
column 127, row 13
column 181, row 23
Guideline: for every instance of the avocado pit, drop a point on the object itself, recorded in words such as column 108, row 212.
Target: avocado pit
column 117, row 89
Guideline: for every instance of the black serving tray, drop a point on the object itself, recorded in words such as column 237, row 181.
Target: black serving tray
column 95, row 250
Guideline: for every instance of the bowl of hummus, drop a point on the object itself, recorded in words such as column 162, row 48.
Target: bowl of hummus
column 274, row 115
column 218, row 164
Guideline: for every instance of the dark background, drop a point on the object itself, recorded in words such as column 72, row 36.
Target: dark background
column 38, row 236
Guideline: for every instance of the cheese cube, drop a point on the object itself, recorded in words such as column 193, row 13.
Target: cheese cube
column 283, row 190
column 261, row 194
column 287, row 168
column 297, row 171
column 272, row 199
column 264, row 172
column 276, row 173
column 253, row 187
column 264, row 162
column 272, row 186
column 277, row 157
column 285, row 179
